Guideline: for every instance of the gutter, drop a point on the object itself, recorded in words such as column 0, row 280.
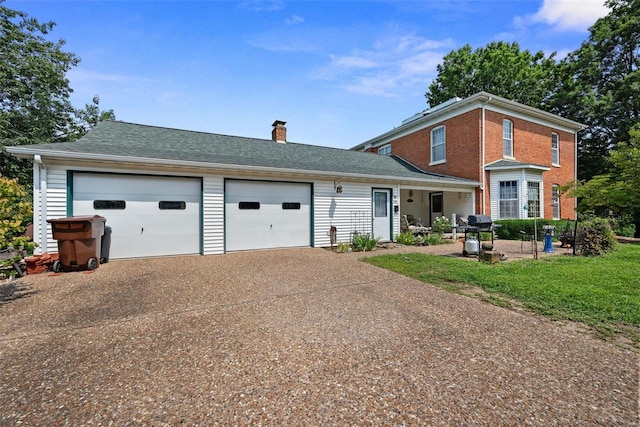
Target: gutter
column 101, row 158
column 484, row 180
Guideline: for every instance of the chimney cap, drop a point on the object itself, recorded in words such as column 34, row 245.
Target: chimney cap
column 279, row 123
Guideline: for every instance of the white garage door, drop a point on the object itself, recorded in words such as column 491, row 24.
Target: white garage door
column 149, row 215
column 261, row 215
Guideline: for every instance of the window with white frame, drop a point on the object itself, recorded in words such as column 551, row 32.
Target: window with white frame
column 555, row 200
column 533, row 199
column 555, row 149
column 385, row 150
column 438, row 145
column 507, row 138
column 508, row 199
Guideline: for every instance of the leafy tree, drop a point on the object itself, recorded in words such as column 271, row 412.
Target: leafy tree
column 15, row 213
column 601, row 85
column 620, row 188
column 500, row 68
column 87, row 117
column 34, row 90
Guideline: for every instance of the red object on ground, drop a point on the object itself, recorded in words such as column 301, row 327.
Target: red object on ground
column 37, row 264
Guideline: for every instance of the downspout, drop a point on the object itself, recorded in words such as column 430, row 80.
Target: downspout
column 40, row 172
column 484, row 180
column 575, row 174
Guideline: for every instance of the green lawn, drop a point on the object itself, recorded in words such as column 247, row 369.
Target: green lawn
column 601, row 292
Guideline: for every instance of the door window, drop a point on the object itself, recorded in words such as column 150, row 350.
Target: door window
column 380, row 205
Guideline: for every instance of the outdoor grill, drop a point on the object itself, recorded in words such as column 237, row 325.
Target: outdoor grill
column 480, row 223
column 476, row 225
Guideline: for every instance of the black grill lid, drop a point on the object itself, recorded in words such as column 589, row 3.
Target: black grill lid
column 479, row 220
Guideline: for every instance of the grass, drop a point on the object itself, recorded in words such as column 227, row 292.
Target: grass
column 603, row 292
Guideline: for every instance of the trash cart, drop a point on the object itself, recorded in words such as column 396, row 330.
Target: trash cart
column 105, row 245
column 78, row 246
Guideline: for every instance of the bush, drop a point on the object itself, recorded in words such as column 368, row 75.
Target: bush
column 510, row 228
column 433, row 239
column 15, row 213
column 343, row 247
column 597, row 237
column 364, row 243
column 441, row 225
column 407, row 238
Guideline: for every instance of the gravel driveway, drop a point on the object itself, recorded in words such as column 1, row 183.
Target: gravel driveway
column 293, row 337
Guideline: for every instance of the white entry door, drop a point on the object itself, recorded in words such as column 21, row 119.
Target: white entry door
column 265, row 214
column 382, row 214
column 148, row 215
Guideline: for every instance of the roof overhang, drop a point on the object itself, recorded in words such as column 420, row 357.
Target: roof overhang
column 478, row 100
column 501, row 165
column 67, row 156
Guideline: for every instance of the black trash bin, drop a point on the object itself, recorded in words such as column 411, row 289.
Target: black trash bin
column 105, row 245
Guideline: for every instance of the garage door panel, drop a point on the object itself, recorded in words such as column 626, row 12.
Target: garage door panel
column 142, row 228
column 274, row 224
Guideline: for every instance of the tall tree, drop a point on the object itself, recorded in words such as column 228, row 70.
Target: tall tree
column 86, row 118
column 618, row 189
column 34, row 90
column 500, row 68
column 601, row 85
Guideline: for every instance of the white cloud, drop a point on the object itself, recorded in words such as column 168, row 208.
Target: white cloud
column 261, row 5
column 294, row 20
column 566, row 15
column 392, row 66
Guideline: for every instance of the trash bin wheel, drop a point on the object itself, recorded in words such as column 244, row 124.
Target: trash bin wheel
column 92, row 264
column 56, row 266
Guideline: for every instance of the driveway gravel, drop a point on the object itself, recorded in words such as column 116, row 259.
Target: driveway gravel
column 293, row 337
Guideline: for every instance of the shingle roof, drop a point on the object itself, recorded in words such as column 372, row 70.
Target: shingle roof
column 513, row 164
column 114, row 138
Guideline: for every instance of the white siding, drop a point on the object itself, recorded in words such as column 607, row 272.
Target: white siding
column 522, row 176
column 459, row 203
column 213, row 215
column 346, row 211
column 56, row 199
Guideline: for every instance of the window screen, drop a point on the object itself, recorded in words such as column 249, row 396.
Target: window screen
column 509, row 199
column 109, row 204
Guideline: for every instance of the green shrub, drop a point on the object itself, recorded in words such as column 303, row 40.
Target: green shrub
column 596, row 237
column 364, row 242
column 343, row 247
column 441, row 225
column 433, row 239
column 511, row 228
column 15, row 213
column 407, row 238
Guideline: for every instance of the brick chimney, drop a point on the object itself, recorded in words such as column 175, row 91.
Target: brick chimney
column 279, row 132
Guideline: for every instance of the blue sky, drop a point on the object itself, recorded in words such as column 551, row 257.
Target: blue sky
column 337, row 72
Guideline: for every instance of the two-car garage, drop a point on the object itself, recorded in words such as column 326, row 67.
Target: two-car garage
column 162, row 215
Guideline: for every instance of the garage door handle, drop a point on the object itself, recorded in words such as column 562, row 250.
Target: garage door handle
column 271, row 226
column 142, row 230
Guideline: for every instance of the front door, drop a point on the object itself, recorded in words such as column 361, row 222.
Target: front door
column 382, row 214
column 436, row 209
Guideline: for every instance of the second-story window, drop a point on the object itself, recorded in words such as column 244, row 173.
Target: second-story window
column 555, row 149
column 438, row 145
column 385, row 149
column 507, row 138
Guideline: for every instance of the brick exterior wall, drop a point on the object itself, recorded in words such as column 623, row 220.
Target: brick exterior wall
column 463, row 136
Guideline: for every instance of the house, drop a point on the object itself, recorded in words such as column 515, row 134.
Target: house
column 520, row 155
column 172, row 192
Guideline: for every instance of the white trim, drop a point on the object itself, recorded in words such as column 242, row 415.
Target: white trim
column 476, row 101
column 225, row 168
column 444, row 144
